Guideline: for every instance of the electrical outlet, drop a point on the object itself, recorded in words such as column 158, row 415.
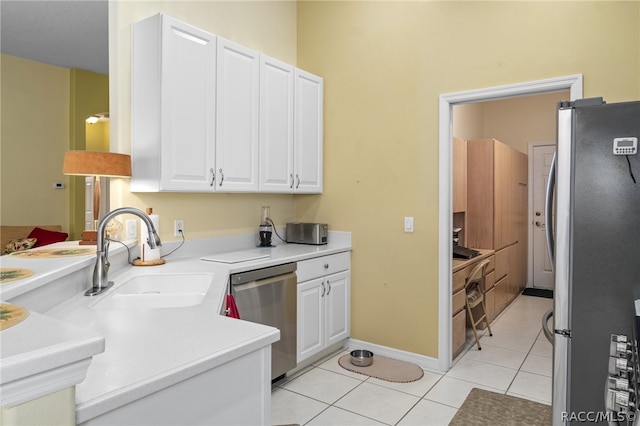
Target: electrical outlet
column 178, row 228
column 132, row 228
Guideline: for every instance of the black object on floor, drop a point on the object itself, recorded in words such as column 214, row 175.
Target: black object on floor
column 538, row 292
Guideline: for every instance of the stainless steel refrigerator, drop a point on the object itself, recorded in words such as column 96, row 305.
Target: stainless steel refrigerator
column 596, row 249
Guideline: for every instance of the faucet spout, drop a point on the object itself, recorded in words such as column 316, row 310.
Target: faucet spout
column 101, row 271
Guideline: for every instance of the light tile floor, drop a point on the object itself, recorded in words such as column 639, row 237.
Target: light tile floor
column 516, row 360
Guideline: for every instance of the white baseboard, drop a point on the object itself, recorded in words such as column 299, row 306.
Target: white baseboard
column 425, row 362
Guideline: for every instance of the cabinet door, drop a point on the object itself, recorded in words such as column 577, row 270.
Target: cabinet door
column 337, row 307
column 308, row 132
column 311, row 318
column 276, row 126
column 237, row 118
column 459, row 175
column 173, row 95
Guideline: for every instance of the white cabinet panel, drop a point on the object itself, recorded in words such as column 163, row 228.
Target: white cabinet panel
column 324, row 304
column 237, row 118
column 311, row 321
column 276, row 125
column 337, row 308
column 308, row 132
column 173, row 106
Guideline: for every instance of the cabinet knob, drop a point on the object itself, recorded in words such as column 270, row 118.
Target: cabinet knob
column 326, row 266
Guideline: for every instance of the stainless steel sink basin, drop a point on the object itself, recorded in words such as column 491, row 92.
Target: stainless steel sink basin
column 157, row 291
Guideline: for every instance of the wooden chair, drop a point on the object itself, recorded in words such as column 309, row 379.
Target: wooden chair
column 474, row 289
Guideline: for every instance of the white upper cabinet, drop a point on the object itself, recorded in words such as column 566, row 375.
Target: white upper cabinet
column 308, row 132
column 172, row 106
column 291, row 102
column 210, row 115
column 237, row 118
column 276, row 125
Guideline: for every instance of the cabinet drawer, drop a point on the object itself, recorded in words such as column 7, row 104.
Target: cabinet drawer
column 489, row 281
column 458, row 279
column 492, row 263
column 502, row 263
column 458, row 301
column 323, row 266
column 458, row 328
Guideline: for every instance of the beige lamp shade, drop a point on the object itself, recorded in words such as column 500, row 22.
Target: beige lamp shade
column 92, row 163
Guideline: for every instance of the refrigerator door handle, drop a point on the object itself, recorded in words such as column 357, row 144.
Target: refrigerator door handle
column 545, row 327
column 548, row 211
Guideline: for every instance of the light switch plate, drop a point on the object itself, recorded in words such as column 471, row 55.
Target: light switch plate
column 132, row 228
column 408, row 224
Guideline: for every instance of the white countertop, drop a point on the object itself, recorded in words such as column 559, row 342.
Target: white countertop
column 148, row 350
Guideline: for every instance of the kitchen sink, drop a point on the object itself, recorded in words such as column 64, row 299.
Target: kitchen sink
column 156, row 291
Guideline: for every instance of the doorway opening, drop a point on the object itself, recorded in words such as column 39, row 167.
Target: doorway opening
column 447, row 102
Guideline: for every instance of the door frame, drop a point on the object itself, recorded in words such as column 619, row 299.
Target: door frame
column 573, row 83
column 530, row 213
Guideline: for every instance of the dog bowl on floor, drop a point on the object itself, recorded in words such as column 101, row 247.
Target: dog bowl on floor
column 361, row 358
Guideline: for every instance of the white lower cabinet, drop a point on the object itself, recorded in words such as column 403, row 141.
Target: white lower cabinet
column 324, row 303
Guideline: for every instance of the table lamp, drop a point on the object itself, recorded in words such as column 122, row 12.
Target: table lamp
column 97, row 164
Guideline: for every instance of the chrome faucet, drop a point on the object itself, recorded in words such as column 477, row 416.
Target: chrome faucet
column 101, row 270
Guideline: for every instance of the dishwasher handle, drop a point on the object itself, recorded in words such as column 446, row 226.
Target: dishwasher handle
column 259, row 274
column 266, row 281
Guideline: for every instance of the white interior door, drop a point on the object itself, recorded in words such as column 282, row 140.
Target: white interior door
column 542, row 273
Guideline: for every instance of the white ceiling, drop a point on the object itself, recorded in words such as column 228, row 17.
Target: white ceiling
column 66, row 33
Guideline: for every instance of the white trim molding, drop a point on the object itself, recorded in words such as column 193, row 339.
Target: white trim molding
column 573, row 83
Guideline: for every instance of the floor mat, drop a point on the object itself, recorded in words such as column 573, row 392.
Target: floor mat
column 384, row 368
column 483, row 408
column 538, row 292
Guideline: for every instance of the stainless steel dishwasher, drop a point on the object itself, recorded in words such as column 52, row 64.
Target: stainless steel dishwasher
column 268, row 296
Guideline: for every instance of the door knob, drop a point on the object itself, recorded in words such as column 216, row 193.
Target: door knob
column 538, row 213
column 538, row 223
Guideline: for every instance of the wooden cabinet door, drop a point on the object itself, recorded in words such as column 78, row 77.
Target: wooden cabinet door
column 237, row 118
column 501, row 193
column 173, row 92
column 459, row 175
column 480, row 193
column 337, row 307
column 310, row 318
column 308, row 132
column 276, row 126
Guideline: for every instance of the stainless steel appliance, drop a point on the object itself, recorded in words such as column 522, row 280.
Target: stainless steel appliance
column 307, row 233
column 268, row 296
column 596, row 250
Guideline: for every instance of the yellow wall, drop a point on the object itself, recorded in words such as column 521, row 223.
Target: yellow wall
column 35, row 135
column 267, row 27
column 515, row 122
column 385, row 64
column 89, row 96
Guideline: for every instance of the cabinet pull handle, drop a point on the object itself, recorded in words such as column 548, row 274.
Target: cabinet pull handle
column 298, row 179
column 323, row 290
column 329, row 284
column 292, row 181
column 221, row 178
column 213, row 176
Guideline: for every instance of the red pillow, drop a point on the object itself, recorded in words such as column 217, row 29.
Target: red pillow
column 45, row 237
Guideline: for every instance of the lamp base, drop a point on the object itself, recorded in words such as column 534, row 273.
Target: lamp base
column 89, row 238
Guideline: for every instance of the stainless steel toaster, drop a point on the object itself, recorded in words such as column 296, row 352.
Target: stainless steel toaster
column 307, row 233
